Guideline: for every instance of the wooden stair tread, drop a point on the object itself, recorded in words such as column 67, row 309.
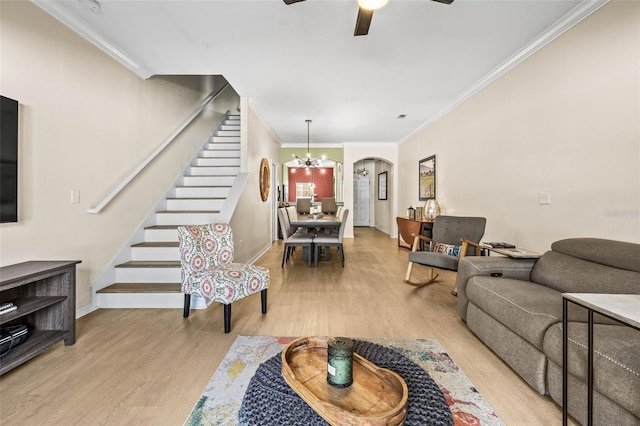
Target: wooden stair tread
column 142, row 288
column 150, row 264
column 159, row 244
column 162, row 227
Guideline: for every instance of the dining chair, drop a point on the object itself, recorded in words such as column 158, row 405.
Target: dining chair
column 331, row 240
column 207, row 269
column 453, row 237
column 293, row 240
column 303, row 205
column 329, row 205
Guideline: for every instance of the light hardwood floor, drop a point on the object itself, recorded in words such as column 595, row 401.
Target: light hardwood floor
column 148, row 367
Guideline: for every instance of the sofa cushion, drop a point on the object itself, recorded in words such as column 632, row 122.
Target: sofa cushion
column 616, row 359
column 618, row 254
column 525, row 307
column 566, row 273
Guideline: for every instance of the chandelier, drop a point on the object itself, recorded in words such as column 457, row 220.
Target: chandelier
column 307, row 161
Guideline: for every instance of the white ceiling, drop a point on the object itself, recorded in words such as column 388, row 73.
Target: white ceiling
column 301, row 61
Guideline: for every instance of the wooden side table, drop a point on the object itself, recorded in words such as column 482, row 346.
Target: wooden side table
column 409, row 227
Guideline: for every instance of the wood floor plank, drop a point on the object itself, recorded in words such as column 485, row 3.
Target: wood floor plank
column 149, row 366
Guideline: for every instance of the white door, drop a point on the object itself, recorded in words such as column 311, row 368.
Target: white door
column 361, row 201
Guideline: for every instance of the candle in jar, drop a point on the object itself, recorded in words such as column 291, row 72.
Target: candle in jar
column 340, row 362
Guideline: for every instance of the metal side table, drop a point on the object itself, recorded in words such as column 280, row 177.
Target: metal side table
column 624, row 308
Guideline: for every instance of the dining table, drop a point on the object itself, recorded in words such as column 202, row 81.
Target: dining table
column 316, row 224
column 323, row 223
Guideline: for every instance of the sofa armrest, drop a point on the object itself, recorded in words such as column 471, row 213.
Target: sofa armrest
column 519, row 269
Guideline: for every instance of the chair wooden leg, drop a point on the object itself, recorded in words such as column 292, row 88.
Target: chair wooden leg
column 227, row 318
column 407, row 278
column 263, row 299
column 316, row 250
column 341, row 247
column 187, row 305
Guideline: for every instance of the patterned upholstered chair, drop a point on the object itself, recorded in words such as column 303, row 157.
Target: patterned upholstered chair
column 206, row 257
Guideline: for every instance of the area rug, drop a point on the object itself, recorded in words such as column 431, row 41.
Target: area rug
column 221, row 401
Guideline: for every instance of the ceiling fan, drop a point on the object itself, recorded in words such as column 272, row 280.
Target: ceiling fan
column 365, row 13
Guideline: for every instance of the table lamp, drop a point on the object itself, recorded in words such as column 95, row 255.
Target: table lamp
column 431, row 209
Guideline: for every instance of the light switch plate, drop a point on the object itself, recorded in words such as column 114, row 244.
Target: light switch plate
column 544, row 198
column 75, row 196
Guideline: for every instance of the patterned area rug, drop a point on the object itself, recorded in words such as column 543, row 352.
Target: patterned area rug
column 222, row 399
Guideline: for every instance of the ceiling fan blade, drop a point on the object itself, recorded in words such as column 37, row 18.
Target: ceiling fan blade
column 363, row 22
column 439, row 1
column 296, row 1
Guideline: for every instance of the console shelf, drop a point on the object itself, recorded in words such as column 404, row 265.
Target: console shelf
column 45, row 294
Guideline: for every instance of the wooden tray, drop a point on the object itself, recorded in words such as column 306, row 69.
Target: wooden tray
column 377, row 396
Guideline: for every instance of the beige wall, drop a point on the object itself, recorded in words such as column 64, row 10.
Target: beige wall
column 252, row 220
column 85, row 123
column 566, row 121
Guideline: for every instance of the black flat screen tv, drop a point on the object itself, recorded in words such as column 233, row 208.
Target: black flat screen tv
column 9, row 161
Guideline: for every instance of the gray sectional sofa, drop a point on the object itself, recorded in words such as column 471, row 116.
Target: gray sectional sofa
column 515, row 307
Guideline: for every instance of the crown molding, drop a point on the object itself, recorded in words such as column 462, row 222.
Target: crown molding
column 61, row 14
column 573, row 17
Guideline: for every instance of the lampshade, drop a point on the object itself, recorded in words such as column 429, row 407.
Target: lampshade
column 372, row 4
column 431, row 209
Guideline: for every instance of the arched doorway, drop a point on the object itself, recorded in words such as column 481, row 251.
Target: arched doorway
column 371, row 206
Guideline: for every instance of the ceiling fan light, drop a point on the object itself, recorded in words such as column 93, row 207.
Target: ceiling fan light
column 372, row 4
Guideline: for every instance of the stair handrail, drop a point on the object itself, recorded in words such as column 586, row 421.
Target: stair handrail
column 212, row 97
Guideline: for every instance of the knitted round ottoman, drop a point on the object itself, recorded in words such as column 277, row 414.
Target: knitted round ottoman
column 269, row 400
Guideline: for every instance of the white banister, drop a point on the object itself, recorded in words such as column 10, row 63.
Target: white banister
column 212, row 97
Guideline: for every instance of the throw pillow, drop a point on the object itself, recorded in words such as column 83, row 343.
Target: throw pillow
column 448, row 249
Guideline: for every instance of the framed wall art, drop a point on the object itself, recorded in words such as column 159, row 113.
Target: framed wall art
column 427, row 178
column 382, row 186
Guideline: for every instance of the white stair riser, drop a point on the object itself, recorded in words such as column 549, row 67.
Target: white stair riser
column 160, row 235
column 232, row 152
column 232, row 126
column 214, row 155
column 185, row 218
column 148, row 275
column 219, row 162
column 225, row 139
column 212, row 162
column 180, row 204
column 155, row 253
column 217, row 170
column 209, row 180
column 140, row 300
column 230, row 146
column 202, row 192
column 234, row 133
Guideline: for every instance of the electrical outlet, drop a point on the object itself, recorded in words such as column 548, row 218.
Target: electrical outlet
column 75, row 196
column 544, row 198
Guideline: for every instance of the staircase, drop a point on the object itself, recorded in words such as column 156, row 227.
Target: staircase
column 151, row 279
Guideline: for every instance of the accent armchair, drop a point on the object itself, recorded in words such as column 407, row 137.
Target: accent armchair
column 453, row 237
column 206, row 257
